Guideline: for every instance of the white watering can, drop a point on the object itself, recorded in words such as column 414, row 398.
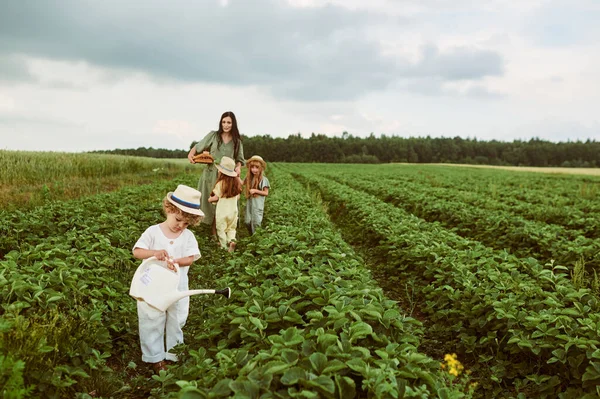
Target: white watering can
column 155, row 284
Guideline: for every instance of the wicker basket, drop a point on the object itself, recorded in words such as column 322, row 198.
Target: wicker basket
column 204, row 157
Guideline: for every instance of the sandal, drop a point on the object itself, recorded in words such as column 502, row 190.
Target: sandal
column 158, row 366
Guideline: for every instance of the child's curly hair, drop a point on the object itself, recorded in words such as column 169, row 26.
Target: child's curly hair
column 191, row 220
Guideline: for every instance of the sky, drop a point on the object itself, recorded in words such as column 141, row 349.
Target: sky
column 83, row 75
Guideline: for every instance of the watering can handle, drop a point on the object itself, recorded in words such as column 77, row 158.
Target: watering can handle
column 164, row 264
column 176, row 266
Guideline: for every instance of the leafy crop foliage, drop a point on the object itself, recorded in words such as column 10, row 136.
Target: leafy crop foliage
column 520, row 319
column 305, row 320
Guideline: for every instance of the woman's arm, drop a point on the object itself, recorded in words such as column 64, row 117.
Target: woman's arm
column 191, row 154
column 201, row 145
column 240, row 160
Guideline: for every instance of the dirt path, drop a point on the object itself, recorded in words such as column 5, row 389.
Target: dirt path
column 570, row 171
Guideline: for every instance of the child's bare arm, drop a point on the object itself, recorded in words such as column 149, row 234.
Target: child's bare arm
column 264, row 192
column 142, row 253
column 160, row 254
column 185, row 261
column 213, row 198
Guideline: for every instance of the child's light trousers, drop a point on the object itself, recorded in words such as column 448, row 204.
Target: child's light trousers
column 226, row 226
column 161, row 331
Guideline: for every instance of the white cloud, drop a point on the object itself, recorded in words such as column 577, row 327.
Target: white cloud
column 7, row 104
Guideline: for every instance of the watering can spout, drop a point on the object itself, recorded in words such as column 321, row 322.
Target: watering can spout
column 155, row 284
column 223, row 291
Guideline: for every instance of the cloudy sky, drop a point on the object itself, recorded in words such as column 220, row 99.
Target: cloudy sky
column 79, row 75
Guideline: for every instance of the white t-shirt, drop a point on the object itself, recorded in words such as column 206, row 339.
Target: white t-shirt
column 180, row 247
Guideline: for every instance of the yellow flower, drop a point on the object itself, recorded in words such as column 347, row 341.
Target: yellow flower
column 454, row 366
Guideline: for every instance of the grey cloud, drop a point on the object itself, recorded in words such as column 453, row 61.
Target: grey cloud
column 483, row 92
column 563, row 23
column 459, row 63
column 427, row 86
column 23, row 120
column 298, row 53
column 14, row 69
column 435, row 87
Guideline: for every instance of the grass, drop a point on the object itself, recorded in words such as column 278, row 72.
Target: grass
column 29, row 179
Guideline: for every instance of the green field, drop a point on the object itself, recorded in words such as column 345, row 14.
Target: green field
column 29, row 179
column 366, row 281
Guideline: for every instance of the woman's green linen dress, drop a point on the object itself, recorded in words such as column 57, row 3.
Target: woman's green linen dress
column 209, row 174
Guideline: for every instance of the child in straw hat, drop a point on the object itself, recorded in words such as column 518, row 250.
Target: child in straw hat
column 173, row 242
column 226, row 194
column 256, row 188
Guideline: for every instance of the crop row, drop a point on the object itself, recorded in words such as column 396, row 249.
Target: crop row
column 100, row 214
column 496, row 229
column 520, row 320
column 563, row 191
column 572, row 194
column 585, row 223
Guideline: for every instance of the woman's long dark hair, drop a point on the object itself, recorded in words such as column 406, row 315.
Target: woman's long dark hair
column 235, row 133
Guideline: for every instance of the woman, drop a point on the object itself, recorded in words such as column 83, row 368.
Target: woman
column 225, row 142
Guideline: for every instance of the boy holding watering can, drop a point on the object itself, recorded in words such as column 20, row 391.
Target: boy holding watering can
column 172, row 242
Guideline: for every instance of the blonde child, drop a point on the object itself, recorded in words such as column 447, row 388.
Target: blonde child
column 256, row 188
column 171, row 241
column 226, row 194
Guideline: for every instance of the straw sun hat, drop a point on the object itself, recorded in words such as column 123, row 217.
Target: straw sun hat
column 187, row 199
column 227, row 167
column 257, row 158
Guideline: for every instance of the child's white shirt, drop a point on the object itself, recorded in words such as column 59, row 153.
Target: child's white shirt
column 157, row 328
column 183, row 246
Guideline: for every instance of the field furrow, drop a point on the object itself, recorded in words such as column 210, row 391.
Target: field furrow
column 515, row 316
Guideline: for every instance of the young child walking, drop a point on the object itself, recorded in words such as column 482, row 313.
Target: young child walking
column 169, row 241
column 225, row 194
column 256, row 188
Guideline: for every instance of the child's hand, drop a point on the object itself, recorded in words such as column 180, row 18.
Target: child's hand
column 161, row 254
column 253, row 191
column 171, row 264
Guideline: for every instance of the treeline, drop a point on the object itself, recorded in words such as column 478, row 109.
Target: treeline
column 147, row 152
column 383, row 149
